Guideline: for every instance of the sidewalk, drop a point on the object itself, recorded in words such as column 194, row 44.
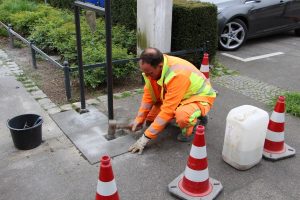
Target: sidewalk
column 56, row 170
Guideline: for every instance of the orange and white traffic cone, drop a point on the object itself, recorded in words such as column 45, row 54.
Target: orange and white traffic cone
column 275, row 148
column 195, row 181
column 205, row 66
column 204, row 69
column 106, row 187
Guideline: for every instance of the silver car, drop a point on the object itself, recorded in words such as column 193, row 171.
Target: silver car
column 239, row 20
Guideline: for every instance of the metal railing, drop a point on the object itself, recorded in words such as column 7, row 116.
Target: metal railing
column 125, row 61
column 34, row 49
column 68, row 70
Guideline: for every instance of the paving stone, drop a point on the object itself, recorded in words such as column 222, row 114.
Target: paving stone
column 92, row 102
column 118, row 95
column 13, row 66
column 66, row 107
column 102, row 98
column 44, row 101
column 138, row 91
column 14, row 69
column 29, row 85
column 38, row 94
column 32, row 89
column 54, row 110
column 28, row 81
column 18, row 72
column 48, row 106
column 77, row 105
column 10, row 63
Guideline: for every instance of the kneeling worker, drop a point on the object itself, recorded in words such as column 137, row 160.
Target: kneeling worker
column 174, row 88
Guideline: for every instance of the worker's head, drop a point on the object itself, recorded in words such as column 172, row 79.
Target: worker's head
column 151, row 63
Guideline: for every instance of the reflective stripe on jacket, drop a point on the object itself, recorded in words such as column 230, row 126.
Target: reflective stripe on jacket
column 180, row 83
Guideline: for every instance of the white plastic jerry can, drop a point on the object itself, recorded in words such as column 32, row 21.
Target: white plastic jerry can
column 245, row 133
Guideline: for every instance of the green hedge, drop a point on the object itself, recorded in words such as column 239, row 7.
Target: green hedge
column 68, row 4
column 124, row 12
column 193, row 24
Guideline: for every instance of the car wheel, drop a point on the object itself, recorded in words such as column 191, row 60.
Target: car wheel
column 233, row 35
column 297, row 32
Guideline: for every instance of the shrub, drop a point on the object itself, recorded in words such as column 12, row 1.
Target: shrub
column 124, row 12
column 63, row 39
column 53, row 30
column 45, row 32
column 11, row 7
column 193, row 24
column 93, row 51
column 94, row 54
column 23, row 21
column 61, row 3
column 3, row 32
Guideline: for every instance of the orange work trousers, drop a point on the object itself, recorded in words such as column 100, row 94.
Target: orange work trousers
column 185, row 115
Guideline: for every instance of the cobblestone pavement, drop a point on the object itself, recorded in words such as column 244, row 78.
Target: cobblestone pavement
column 252, row 88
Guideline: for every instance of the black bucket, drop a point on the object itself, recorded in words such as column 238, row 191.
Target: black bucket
column 26, row 131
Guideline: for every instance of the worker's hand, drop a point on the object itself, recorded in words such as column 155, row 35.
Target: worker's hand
column 139, row 146
column 136, row 126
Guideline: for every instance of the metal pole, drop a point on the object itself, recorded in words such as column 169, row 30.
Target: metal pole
column 79, row 57
column 109, row 60
column 33, row 55
column 67, row 79
column 207, row 45
column 11, row 36
column 204, row 47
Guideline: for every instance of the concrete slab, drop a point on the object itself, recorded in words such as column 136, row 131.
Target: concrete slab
column 53, row 170
column 87, row 132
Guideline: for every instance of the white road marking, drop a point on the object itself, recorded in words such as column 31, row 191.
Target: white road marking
column 252, row 58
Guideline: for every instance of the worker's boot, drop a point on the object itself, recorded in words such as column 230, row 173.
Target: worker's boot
column 183, row 138
column 148, row 123
column 202, row 120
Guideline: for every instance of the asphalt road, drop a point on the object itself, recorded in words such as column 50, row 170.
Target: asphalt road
column 56, row 170
column 279, row 70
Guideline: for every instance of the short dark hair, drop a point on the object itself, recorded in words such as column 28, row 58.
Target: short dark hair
column 152, row 56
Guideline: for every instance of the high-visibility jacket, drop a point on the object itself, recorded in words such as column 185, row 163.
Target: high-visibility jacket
column 180, row 83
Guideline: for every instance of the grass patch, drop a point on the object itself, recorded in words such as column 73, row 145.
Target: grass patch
column 3, row 32
column 22, row 78
column 126, row 94
column 139, row 91
column 292, row 103
column 218, row 69
column 18, row 5
column 19, row 44
column 31, row 89
column 122, row 95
